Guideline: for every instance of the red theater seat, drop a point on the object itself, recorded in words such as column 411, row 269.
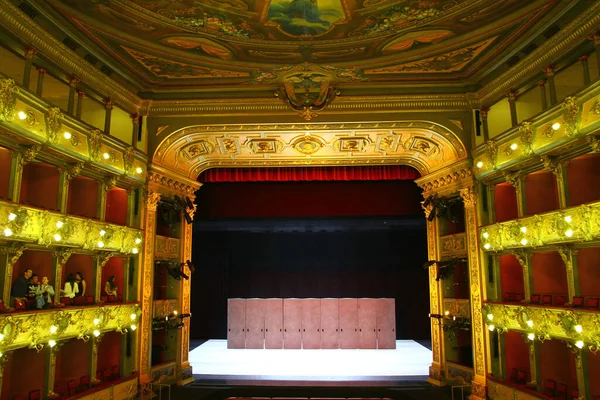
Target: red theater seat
column 106, row 375
column 34, row 395
column 513, row 375
column 561, row 391
column 115, row 372
column 84, row 383
column 535, row 299
column 67, row 301
column 71, row 388
column 521, row 377
column 549, row 387
column 574, row 393
column 20, row 397
column 592, row 303
column 577, row 301
column 560, row 300
column 78, row 300
column 547, row 299
column 58, row 389
column 89, row 299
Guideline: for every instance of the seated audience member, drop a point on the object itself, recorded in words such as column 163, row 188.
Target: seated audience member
column 34, row 288
column 81, row 283
column 46, row 293
column 110, row 288
column 71, row 287
column 20, row 287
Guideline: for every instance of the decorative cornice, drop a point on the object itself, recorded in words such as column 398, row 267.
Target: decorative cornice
column 44, row 43
column 167, row 182
column 451, row 179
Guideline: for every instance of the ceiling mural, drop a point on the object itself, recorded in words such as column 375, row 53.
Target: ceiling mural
column 177, row 43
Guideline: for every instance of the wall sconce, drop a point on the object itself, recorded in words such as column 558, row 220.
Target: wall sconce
column 106, row 156
column 479, row 164
column 139, row 170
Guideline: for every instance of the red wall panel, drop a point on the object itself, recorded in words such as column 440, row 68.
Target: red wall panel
column 72, row 361
column 83, row 197
column 588, row 260
column 594, row 370
column 511, row 275
column 84, row 264
column 39, row 186
column 40, row 263
column 583, row 174
column 549, row 274
column 5, row 165
column 273, row 323
column 109, row 351
column 236, row 323
column 115, row 266
column 330, row 324
column 517, row 352
column 557, row 363
column 541, row 193
column 116, row 206
column 505, row 201
column 24, row 362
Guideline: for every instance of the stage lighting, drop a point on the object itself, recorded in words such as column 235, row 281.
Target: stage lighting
column 427, row 201
column 182, row 316
column 189, row 203
column 191, row 266
column 187, row 217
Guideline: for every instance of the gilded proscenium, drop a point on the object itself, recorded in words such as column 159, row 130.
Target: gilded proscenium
column 427, row 146
column 30, row 330
column 477, row 292
column 167, row 247
column 163, row 308
column 447, row 181
column 460, row 308
column 453, row 245
column 570, row 225
column 186, row 286
column 31, row 225
column 547, row 323
column 436, row 370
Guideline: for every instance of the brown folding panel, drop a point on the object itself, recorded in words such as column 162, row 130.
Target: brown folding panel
column 348, row 323
column 367, row 323
column 236, row 323
column 330, row 324
column 273, row 323
column 255, row 324
column 311, row 323
column 386, row 323
column 292, row 323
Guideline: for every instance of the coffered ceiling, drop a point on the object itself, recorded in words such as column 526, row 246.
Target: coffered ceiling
column 163, row 48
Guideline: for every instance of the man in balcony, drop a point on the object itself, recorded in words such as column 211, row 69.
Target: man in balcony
column 20, row 288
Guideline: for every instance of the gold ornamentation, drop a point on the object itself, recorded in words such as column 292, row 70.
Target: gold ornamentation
column 594, row 143
column 109, row 182
column 95, row 143
column 30, row 118
column 552, row 164
column 172, row 185
column 197, row 149
column 229, row 145
column 264, row 146
column 53, row 124
column 355, row 144
column 469, row 196
column 152, row 199
column 549, row 132
column 307, row 144
column 128, row 158
column 512, row 179
column 387, row 143
column 29, row 153
column 8, row 99
column 572, row 115
column 492, row 153
column 596, row 108
column 73, row 170
column 527, row 136
column 453, row 245
column 423, row 145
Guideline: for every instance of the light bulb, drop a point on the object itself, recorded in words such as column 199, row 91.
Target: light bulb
column 446, row 313
column 579, row 344
column 578, row 328
column 569, row 233
column 67, row 135
column 106, row 156
column 479, row 164
column 486, row 235
column 491, row 328
column 8, row 232
column 531, row 336
column 51, row 343
column 100, row 244
column 12, row 216
column 59, row 224
column 133, row 327
column 138, row 241
column 556, row 126
column 175, row 312
column 22, row 115
column 53, row 329
column 1, row 337
column 57, row 237
column 524, row 229
column 96, row 321
column 133, row 317
column 487, row 246
column 530, row 323
column 568, row 219
column 524, row 242
column 490, row 317
column 96, row 332
column 135, row 250
column 139, row 170
column 102, row 232
column 514, row 146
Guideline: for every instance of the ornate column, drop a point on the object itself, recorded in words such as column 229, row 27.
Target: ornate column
column 146, row 277
column 61, row 256
column 40, row 82
column 13, row 253
column 512, row 103
column 20, row 158
column 3, row 360
column 72, row 89
column 476, row 277
column 491, row 202
column 80, row 96
column 51, row 368
column 581, row 370
column 524, row 259
column 586, row 69
column 135, row 119
column 29, row 54
column 515, row 181
column 68, row 174
column 94, row 358
column 437, row 368
column 543, row 96
column 105, row 185
column 101, row 260
column 108, row 105
column 568, row 256
column 596, row 39
column 558, row 169
column 534, row 365
column 184, row 369
column 483, row 113
column 550, row 71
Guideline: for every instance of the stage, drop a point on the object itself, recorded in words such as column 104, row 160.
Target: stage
column 213, row 363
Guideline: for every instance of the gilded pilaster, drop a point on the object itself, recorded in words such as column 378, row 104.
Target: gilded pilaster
column 558, row 169
column 480, row 366
column 524, row 260
column 68, row 174
column 581, row 371
column 515, row 181
column 61, row 256
column 51, row 368
column 94, row 358
column 512, row 103
column 550, row 71
column 101, row 261
column 3, row 360
column 543, row 96
column 29, row 54
column 105, row 185
column 20, row 158
column 533, row 364
column 13, row 253
column 568, row 256
column 184, row 306
column 146, row 281
column 40, row 82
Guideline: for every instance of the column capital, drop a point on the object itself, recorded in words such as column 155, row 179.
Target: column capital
column 41, row 71
column 29, row 53
column 73, row 81
column 109, row 103
column 80, row 94
column 512, row 95
column 135, row 117
column 542, row 83
column 583, row 58
column 550, row 70
column 483, row 112
column 595, row 37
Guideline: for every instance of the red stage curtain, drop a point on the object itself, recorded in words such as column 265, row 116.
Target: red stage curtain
column 295, row 174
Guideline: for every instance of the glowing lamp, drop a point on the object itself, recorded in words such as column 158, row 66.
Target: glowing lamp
column 479, row 164
column 96, row 321
column 491, row 328
column 487, row 246
column 12, row 216
column 514, row 146
column 8, row 232
column 579, row 344
column 53, row 329
column 135, row 250
column 67, row 135
column 569, row 233
column 568, row 219
column 59, row 224
column 138, row 241
column 106, row 156
column 556, row 126
column 531, row 336
column 1, row 337
column 102, row 232
column 530, row 323
column 446, row 313
column 490, row 317
column 96, row 332
column 51, row 343
column 133, row 327
column 524, row 229
column 100, row 244
column 524, row 242
column 133, row 317
column 486, row 235
column 578, row 328
column 139, row 170
column 57, row 237
column 22, row 115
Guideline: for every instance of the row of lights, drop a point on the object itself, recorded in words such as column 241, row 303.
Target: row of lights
column 514, row 146
column 95, row 332
column 531, row 336
column 68, row 135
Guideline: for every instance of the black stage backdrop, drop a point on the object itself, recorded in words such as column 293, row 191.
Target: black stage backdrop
column 319, row 256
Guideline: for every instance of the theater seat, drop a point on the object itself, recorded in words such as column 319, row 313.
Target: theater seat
column 592, row 303
column 561, row 391
column 67, row 301
column 547, row 299
column 577, row 301
column 71, row 388
column 78, row 300
column 535, row 299
column 560, row 300
column 34, row 395
column 549, row 387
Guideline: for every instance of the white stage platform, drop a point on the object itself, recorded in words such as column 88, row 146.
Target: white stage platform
column 213, row 360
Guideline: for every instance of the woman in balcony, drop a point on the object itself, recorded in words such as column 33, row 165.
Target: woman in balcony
column 71, row 287
column 45, row 294
column 81, row 283
column 110, row 288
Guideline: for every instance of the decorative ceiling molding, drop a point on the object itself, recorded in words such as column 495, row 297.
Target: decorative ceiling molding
column 424, row 145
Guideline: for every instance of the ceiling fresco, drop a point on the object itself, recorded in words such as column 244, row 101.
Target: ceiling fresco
column 165, row 44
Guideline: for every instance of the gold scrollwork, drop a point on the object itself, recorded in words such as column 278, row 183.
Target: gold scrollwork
column 8, row 99
column 527, row 136
column 572, row 115
column 95, row 143
column 53, row 124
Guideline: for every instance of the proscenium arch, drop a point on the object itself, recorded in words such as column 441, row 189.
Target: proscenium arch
column 426, row 146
